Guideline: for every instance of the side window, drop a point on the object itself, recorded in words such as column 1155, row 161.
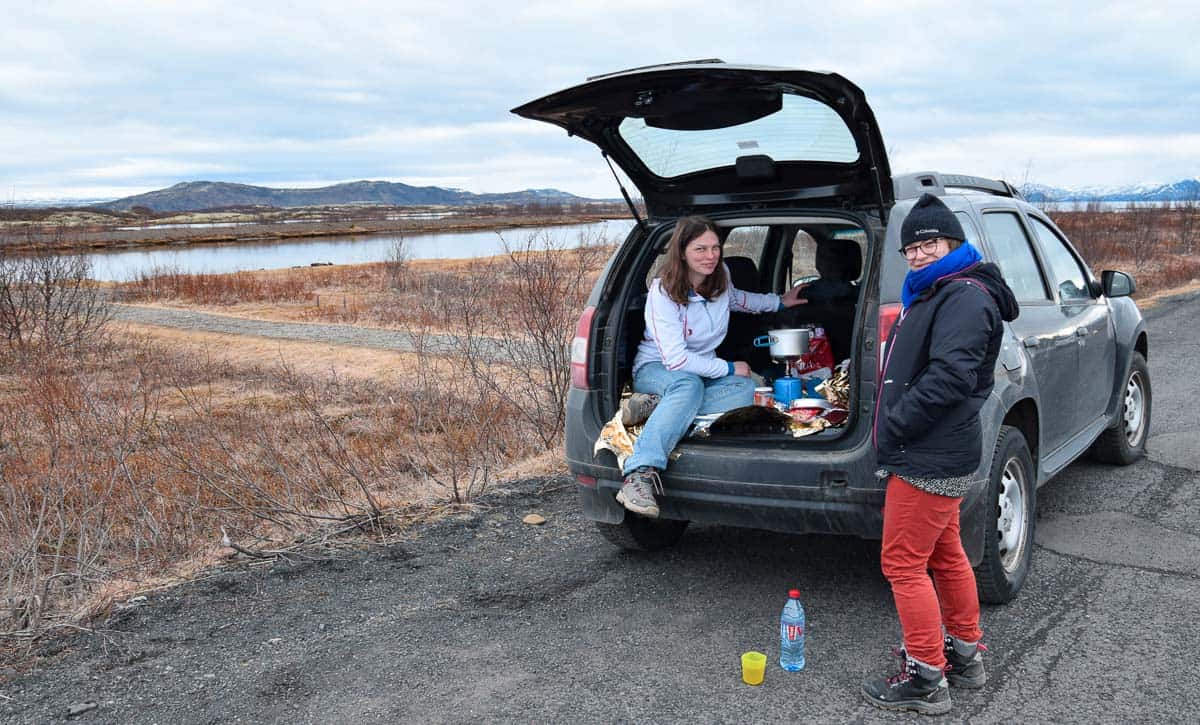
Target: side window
column 804, row 259
column 969, row 228
column 1014, row 256
column 1069, row 278
column 746, row 242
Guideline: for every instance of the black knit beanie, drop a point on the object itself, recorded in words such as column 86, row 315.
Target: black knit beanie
column 929, row 218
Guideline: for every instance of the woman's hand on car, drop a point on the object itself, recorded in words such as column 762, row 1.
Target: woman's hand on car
column 792, row 297
column 741, row 368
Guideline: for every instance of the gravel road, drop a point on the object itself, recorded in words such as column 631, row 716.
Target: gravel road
column 334, row 334
column 371, row 337
column 481, row 617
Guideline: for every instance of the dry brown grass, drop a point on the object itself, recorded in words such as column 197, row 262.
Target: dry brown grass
column 359, row 294
column 149, row 456
column 1160, row 247
column 126, row 465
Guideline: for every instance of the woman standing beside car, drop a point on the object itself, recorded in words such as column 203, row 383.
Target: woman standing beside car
column 687, row 316
column 938, row 371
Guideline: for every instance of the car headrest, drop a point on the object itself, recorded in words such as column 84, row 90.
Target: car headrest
column 839, row 260
column 743, row 274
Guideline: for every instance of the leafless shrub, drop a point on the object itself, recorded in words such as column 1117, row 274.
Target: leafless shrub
column 454, row 431
column 165, row 283
column 47, row 300
column 396, row 267
column 541, row 291
column 73, row 505
column 281, row 461
column 1189, row 224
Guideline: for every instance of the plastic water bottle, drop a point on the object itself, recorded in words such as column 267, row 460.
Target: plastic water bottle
column 791, row 633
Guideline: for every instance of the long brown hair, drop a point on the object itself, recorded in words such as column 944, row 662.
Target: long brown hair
column 674, row 273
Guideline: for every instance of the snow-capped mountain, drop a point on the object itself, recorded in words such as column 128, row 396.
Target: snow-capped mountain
column 1182, row 190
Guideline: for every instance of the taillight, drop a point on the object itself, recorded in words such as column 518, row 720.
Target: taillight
column 579, row 349
column 888, row 315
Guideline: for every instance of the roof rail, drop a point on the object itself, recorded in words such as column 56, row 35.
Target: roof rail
column 910, row 186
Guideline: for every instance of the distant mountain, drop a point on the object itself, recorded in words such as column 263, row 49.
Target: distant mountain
column 1183, row 190
column 197, row 195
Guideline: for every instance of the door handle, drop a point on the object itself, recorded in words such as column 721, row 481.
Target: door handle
column 1031, row 341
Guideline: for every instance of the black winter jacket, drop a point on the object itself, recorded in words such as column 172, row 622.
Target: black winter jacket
column 938, row 371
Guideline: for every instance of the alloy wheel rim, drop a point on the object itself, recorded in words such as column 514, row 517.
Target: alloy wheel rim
column 1011, row 516
column 1134, row 410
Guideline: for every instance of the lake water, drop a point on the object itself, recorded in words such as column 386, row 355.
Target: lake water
column 126, row 264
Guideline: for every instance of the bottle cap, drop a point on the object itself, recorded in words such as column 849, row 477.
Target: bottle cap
column 794, row 593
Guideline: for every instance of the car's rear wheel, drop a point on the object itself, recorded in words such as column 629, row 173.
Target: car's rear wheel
column 1124, row 442
column 1008, row 542
column 639, row 533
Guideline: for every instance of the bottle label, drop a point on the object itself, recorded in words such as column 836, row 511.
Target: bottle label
column 795, row 632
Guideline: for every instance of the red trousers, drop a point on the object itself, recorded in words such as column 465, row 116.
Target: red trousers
column 921, row 535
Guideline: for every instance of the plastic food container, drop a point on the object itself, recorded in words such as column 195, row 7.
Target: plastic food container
column 764, row 396
column 805, row 409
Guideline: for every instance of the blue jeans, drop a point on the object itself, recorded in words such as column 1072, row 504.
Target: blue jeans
column 684, row 396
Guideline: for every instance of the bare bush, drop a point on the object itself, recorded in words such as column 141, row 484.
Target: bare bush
column 48, row 300
column 164, row 283
column 73, row 507
column 1189, row 225
column 455, row 432
column 540, row 293
column 278, row 460
column 396, row 266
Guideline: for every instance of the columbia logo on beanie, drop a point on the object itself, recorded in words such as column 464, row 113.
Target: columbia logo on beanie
column 928, row 219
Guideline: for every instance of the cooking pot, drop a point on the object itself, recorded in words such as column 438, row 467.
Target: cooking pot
column 786, row 343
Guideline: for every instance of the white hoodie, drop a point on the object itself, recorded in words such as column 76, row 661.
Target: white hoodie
column 685, row 337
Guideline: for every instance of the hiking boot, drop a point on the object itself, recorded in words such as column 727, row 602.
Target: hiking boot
column 917, row 687
column 637, row 492
column 965, row 671
column 637, row 408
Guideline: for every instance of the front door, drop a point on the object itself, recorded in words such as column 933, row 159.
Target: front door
column 1045, row 329
column 1093, row 328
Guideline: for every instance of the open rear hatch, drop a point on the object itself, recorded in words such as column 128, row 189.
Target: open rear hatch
column 702, row 136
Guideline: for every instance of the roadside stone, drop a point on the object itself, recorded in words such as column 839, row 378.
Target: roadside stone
column 81, row 707
column 534, row 519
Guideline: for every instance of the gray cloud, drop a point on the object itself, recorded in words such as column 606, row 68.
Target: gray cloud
column 119, row 97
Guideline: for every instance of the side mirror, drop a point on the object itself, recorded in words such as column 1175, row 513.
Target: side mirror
column 1117, row 284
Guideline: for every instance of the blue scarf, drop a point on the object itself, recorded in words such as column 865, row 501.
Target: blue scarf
column 920, row 280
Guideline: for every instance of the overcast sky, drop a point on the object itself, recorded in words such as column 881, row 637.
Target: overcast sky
column 115, row 98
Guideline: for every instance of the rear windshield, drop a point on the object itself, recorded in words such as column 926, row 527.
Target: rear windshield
column 801, row 130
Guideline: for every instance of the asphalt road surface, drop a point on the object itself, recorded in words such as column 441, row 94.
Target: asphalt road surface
column 484, row 618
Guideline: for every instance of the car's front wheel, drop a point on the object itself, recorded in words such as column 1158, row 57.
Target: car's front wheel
column 640, row 533
column 1124, row 442
column 1008, row 542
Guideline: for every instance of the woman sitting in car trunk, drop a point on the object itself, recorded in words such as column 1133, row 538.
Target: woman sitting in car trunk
column 687, row 316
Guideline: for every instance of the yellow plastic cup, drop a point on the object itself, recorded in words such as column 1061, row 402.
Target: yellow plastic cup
column 753, row 666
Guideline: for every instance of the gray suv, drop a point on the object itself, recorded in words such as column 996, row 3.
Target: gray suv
column 791, row 166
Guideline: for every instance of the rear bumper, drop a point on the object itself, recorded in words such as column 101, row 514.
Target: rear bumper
column 792, row 510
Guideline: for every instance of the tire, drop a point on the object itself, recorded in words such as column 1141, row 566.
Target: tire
column 1124, row 442
column 1008, row 534
column 639, row 533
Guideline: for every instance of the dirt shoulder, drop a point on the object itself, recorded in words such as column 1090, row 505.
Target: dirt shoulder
column 270, row 641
